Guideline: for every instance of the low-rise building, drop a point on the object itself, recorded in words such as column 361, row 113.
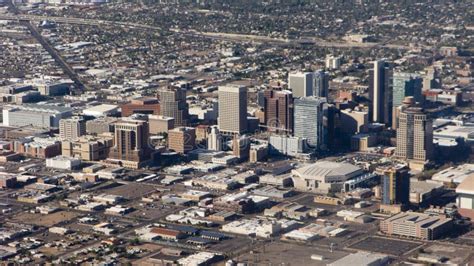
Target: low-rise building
column 160, row 124
column 417, row 225
column 182, row 139
column 255, row 227
column 324, row 176
column 258, row 152
column 290, row 146
column 63, row 162
column 42, row 116
column 38, row 147
column 143, row 105
column 167, row 233
column 465, row 200
column 101, row 110
column 455, row 174
column 362, row 258
column 421, row 192
column 7, row 180
column 88, row 148
column 362, row 142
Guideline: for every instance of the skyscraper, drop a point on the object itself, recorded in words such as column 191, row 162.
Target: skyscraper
column 301, row 84
column 72, row 128
column 414, row 135
column 431, row 80
column 333, row 62
column 232, row 110
column 380, row 94
column 214, row 139
column 278, row 107
column 131, row 143
column 321, row 84
column 406, row 84
column 396, row 187
column 241, row 147
column 173, row 104
column 309, row 120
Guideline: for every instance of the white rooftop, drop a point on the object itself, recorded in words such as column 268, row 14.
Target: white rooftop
column 454, row 174
column 360, row 258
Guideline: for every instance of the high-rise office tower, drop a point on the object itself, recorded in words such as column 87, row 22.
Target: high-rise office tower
column 321, row 84
column 182, row 139
column 407, row 102
column 131, row 143
column 301, row 84
column 232, row 110
column 278, row 107
column 173, row 104
column 241, row 147
column 261, row 98
column 404, row 85
column 214, row 139
column 431, row 80
column 309, row 120
column 333, row 62
column 396, row 186
column 414, row 135
column 380, row 94
column 72, row 128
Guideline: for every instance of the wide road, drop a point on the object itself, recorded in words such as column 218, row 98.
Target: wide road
column 47, row 46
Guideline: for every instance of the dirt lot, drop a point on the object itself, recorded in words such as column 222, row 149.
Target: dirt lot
column 278, row 253
column 47, row 220
column 131, row 191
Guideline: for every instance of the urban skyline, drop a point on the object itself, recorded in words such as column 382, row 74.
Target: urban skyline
column 236, row 132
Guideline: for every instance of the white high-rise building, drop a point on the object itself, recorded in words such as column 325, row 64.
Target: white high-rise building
column 333, row 62
column 214, row 139
column 72, row 128
column 301, row 84
column 232, row 110
column 309, row 84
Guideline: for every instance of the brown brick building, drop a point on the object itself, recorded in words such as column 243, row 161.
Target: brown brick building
column 142, row 105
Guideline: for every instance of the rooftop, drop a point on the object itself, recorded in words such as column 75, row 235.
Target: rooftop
column 360, row 258
column 466, row 186
column 324, row 169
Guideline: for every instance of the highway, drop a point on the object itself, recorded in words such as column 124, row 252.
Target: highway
column 211, row 35
column 46, row 45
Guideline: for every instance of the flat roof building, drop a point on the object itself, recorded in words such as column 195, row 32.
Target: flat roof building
column 42, row 116
column 232, row 109
column 88, row 148
column 465, row 200
column 143, row 105
column 101, row 110
column 416, row 225
column 72, row 128
column 362, row 258
column 182, row 139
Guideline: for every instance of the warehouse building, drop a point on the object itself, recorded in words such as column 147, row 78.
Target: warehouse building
column 42, row 116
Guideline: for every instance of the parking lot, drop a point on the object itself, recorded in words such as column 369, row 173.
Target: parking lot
column 385, row 245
